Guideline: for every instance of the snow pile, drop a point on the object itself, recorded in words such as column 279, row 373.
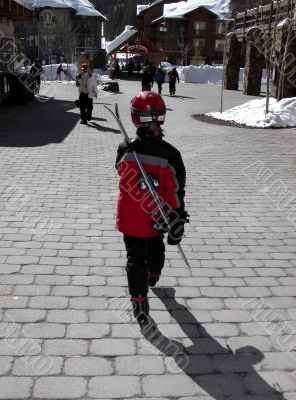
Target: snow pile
column 50, row 72
column 203, row 74
column 281, row 114
column 207, row 74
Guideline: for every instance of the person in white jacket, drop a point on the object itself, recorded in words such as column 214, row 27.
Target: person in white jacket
column 86, row 82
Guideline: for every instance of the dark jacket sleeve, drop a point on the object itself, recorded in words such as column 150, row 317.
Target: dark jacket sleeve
column 122, row 149
column 178, row 164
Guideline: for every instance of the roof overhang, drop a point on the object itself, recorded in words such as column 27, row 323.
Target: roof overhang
column 132, row 41
column 81, row 7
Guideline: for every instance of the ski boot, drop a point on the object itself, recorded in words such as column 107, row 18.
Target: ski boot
column 153, row 279
column 141, row 309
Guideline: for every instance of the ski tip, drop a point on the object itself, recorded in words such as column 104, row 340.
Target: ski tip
column 116, row 110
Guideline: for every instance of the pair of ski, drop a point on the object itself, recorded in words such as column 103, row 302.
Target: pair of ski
column 145, row 176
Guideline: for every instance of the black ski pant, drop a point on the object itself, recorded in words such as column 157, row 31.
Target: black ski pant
column 172, row 86
column 86, row 107
column 143, row 255
column 159, row 84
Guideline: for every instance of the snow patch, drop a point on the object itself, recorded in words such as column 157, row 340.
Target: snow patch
column 281, row 114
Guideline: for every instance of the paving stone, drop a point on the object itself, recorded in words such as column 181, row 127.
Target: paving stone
column 49, row 302
column 37, row 365
column 52, row 280
column 205, row 304
column 113, row 387
column 24, row 315
column 66, row 347
column 5, row 365
column 67, row 316
column 139, row 365
column 218, row 292
column 88, row 280
column 109, row 316
column 44, row 330
column 113, row 347
column 94, row 303
column 87, row 331
column 15, row 387
column 13, row 302
column 165, row 385
column 31, row 290
column 60, row 388
column 88, row 366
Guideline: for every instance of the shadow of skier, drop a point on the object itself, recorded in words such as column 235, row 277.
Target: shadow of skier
column 215, row 369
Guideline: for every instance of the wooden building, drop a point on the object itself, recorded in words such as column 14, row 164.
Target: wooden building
column 60, row 32
column 188, row 33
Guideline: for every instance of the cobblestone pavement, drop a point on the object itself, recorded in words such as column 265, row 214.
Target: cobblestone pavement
column 225, row 327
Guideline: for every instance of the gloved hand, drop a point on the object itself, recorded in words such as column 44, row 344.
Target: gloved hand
column 177, row 219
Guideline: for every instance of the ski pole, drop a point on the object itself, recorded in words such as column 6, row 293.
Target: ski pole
column 145, row 176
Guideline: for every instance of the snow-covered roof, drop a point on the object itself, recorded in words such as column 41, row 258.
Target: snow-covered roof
column 125, row 35
column 142, row 7
column 178, row 10
column 82, row 7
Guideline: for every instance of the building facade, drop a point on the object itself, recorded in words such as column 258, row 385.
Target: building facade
column 58, row 35
column 189, row 36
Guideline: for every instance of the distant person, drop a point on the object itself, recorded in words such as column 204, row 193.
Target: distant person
column 68, row 74
column 159, row 79
column 147, row 79
column 59, row 71
column 130, row 67
column 173, row 77
column 87, row 85
column 35, row 72
column 117, row 69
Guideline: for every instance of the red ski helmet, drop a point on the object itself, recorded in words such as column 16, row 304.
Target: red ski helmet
column 147, row 106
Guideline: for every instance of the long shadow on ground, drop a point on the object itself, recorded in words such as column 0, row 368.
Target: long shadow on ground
column 215, row 369
column 37, row 123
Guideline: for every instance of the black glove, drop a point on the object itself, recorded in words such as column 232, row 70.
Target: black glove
column 177, row 219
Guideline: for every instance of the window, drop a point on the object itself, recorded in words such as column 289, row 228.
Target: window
column 33, row 40
column 199, row 26
column 220, row 28
column 162, row 27
column 199, row 42
column 219, row 45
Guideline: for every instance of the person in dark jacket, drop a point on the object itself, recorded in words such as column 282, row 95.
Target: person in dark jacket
column 159, row 78
column 173, row 77
column 59, row 71
column 35, row 72
column 147, row 79
column 137, row 214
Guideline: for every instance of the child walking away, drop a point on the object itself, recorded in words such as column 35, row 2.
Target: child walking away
column 147, row 79
column 173, row 77
column 137, row 215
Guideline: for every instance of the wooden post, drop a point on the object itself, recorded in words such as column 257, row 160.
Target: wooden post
column 253, row 70
column 231, row 62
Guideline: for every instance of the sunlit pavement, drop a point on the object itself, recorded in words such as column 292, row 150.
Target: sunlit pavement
column 224, row 328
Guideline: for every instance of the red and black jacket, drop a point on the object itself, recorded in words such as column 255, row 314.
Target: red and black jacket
column 135, row 205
